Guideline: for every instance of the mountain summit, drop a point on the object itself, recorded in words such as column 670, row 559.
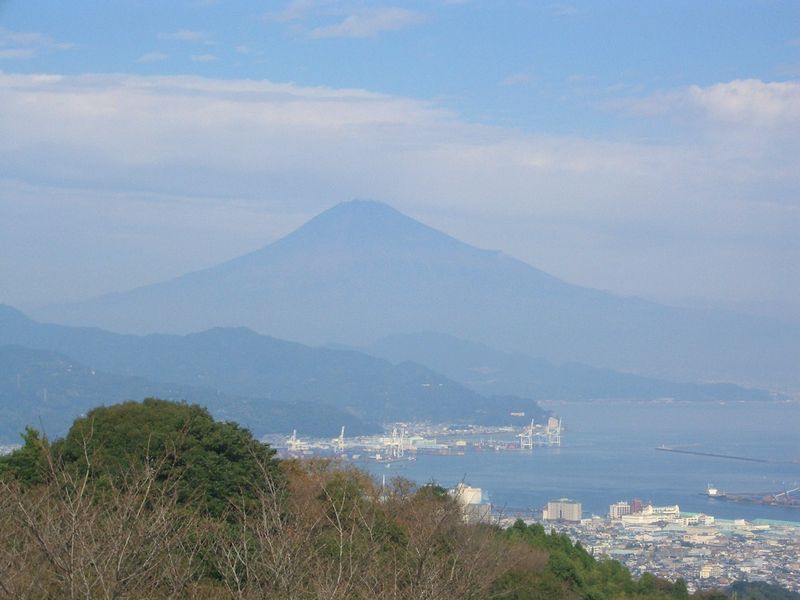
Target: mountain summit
column 367, row 222
column 362, row 270
column 355, row 232
column 364, row 232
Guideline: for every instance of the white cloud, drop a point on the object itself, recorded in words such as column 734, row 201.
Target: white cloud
column 299, row 9
column 715, row 211
column 749, row 100
column 185, row 35
column 131, row 111
column 369, row 23
column 151, row 57
column 203, row 57
column 336, row 19
column 742, row 101
column 17, row 53
column 16, row 45
column 564, row 10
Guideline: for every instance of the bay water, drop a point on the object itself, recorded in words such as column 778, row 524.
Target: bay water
column 608, row 453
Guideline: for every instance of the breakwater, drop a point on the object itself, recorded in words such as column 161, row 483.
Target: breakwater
column 711, row 454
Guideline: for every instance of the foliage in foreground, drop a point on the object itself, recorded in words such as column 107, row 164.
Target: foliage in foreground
column 207, row 461
column 760, row 590
column 157, row 500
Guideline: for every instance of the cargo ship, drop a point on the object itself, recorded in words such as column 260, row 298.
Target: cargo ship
column 784, row 498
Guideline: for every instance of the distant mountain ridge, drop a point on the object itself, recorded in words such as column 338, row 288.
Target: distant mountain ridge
column 361, row 271
column 48, row 390
column 489, row 371
column 267, row 374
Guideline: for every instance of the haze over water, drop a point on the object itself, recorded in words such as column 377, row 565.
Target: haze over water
column 608, row 454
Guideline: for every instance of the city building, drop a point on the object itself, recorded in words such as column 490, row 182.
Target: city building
column 653, row 514
column 466, row 494
column 707, row 553
column 710, row 570
column 563, row 509
column 618, row 509
column 471, row 501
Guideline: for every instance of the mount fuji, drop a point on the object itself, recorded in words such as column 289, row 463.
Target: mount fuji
column 361, row 271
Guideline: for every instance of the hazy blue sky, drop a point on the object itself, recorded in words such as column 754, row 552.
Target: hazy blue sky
column 648, row 148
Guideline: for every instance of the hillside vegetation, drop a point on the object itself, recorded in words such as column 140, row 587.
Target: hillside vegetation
column 158, row 500
column 48, row 389
column 268, row 384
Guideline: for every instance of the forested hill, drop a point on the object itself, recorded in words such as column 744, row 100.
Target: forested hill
column 48, row 390
column 240, row 362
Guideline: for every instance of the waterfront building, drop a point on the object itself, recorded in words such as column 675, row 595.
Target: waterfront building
column 563, row 509
column 471, row 501
column 618, row 509
column 695, row 519
column 466, row 494
column 650, row 515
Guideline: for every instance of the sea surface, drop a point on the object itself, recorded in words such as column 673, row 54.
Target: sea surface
column 608, row 454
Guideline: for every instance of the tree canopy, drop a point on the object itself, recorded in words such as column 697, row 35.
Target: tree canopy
column 156, row 499
column 211, row 461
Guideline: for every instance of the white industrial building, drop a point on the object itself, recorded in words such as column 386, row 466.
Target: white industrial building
column 619, row 509
column 563, row 509
column 466, row 494
column 650, row 515
column 471, row 501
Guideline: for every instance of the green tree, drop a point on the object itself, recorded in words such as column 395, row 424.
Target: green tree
column 212, row 462
column 28, row 464
column 679, row 589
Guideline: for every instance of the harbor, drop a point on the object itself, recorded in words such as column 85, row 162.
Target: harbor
column 402, row 442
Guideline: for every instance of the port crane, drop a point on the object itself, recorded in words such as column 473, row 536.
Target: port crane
column 296, row 445
column 397, row 444
column 553, row 433
column 340, row 441
column 786, row 493
column 526, row 438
